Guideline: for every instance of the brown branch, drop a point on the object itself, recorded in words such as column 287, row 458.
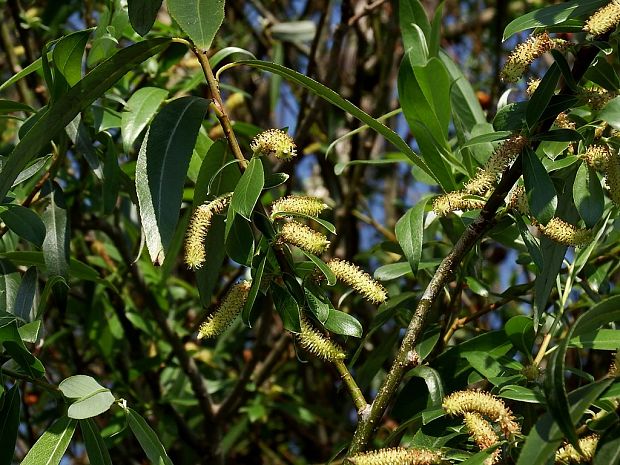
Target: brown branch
column 366, row 10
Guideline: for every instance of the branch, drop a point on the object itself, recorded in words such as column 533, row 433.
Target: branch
column 474, row 232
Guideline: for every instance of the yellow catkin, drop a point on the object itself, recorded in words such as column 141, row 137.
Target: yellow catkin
column 198, row 228
column 525, row 53
column 612, row 176
column 500, row 159
column 231, row 306
column 304, row 204
column 565, row 233
column 396, row 456
column 517, row 200
column 604, row 19
column 568, row 454
column 483, row 434
column 274, row 142
column 317, row 344
column 485, row 404
column 453, row 201
column 304, row 237
column 597, row 157
column 596, row 97
column 532, row 85
column 359, row 280
column 563, row 122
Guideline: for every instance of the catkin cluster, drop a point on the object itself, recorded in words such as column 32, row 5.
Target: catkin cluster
column 525, row 53
column 316, row 343
column 452, row 201
column 396, row 456
column 596, row 97
column 568, row 455
column 604, row 19
column 485, row 404
column 359, row 280
column 304, row 204
column 483, row 434
column 304, row 237
column 198, row 228
column 231, row 306
column 274, row 142
column 565, row 233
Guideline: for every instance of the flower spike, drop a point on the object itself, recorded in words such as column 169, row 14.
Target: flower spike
column 316, row 343
column 304, row 237
column 304, row 204
column 274, row 142
column 396, row 456
column 231, row 306
column 604, row 19
column 359, row 280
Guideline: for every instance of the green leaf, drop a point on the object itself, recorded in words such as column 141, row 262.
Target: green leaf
column 608, row 449
column 240, row 239
column 552, row 15
column 326, row 224
column 410, row 232
column 200, row 19
column 523, row 394
column 67, row 107
column 68, row 54
column 30, row 331
column 342, row 323
column 317, row 305
column 77, row 269
column 343, row 165
column 31, row 68
column 246, row 313
column 51, row 446
column 9, row 285
column 147, row 438
column 555, row 390
column 95, row 446
column 248, row 189
column 532, row 244
column 520, row 331
column 489, row 137
column 56, row 242
column 91, row 406
column 558, row 135
column 78, row 386
column 10, row 106
column 9, row 423
column 392, row 271
column 434, row 40
column 481, row 457
column 510, row 117
column 542, row 96
column 335, row 99
column 546, row 436
column 411, row 12
column 611, row 113
column 541, row 195
column 601, row 339
column 424, row 93
column 140, row 109
column 601, row 72
column 286, row 306
column 433, row 382
column 161, row 170
column 25, row 223
column 142, row 14
column 589, row 196
column 25, row 295
column 323, row 268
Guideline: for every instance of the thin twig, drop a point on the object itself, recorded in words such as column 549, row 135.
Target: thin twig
column 356, row 393
column 366, row 10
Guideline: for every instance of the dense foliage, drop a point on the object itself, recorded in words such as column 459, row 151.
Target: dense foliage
column 195, row 195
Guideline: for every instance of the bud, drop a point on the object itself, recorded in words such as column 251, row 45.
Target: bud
column 604, row 19
column 525, row 53
column 457, row 200
column 483, row 434
column 303, row 237
column 565, row 233
column 396, row 456
column 359, row 280
column 483, row 403
column 316, row 343
column 304, row 204
column 274, row 142
column 569, row 455
column 198, row 228
column 231, row 306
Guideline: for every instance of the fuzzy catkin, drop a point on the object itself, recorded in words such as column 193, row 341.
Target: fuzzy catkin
column 483, row 403
column 568, row 454
column 304, row 237
column 359, row 280
column 274, row 142
column 596, row 97
column 612, row 176
column 316, row 343
column 396, row 456
column 525, row 53
column 231, row 306
column 597, row 157
column 604, row 19
column 198, row 228
column 452, row 201
column 304, row 204
column 518, row 200
column 483, row 434
column 565, row 233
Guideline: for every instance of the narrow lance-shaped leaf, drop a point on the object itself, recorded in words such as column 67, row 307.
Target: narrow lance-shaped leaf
column 56, row 243
column 162, row 167
column 147, row 438
column 541, row 194
column 51, row 446
column 95, row 447
column 142, row 14
column 140, row 109
column 9, row 423
column 409, row 232
column 55, row 118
